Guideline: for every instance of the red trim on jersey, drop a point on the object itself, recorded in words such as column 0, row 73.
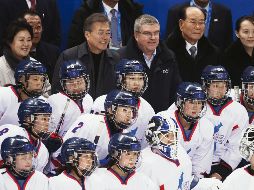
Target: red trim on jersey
column 108, row 130
column 73, row 178
column 119, row 177
column 36, row 143
column 80, row 108
column 248, row 171
column 16, row 93
column 139, row 102
column 182, row 128
column 235, row 127
column 162, row 187
column 241, row 99
column 222, row 108
column 1, row 163
column 16, row 181
column 56, row 162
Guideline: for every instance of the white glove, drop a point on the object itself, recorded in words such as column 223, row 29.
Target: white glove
column 208, row 184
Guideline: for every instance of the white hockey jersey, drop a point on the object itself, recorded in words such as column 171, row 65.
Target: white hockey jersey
column 41, row 156
column 62, row 104
column 36, row 180
column 239, row 179
column 165, row 173
column 89, row 126
column 9, row 105
column 135, row 180
column 66, row 181
column 199, row 145
column 145, row 113
column 228, row 122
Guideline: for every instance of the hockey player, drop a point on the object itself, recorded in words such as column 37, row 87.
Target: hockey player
column 195, row 132
column 30, row 77
column 80, row 160
column 33, row 117
column 131, row 77
column 18, row 172
column 161, row 157
column 229, row 118
column 124, row 151
column 121, row 112
column 243, row 178
column 73, row 100
column 247, row 95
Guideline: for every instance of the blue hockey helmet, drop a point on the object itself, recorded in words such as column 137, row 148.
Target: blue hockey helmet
column 72, row 149
column 30, row 108
column 188, row 91
column 215, row 74
column 123, row 142
column 127, row 67
column 26, row 68
column 160, row 128
column 74, row 69
column 118, row 98
column 247, row 79
column 13, row 146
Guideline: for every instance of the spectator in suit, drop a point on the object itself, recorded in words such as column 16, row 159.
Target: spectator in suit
column 18, row 42
column 47, row 9
column 159, row 62
column 43, row 52
column 97, row 58
column 240, row 54
column 127, row 10
column 192, row 49
column 218, row 21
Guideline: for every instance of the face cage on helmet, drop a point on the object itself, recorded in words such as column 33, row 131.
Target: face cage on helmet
column 74, row 163
column 167, row 150
column 121, row 125
column 246, row 149
column 30, row 127
column 20, row 173
column 136, row 94
column 33, row 94
column 245, row 93
column 189, row 119
column 76, row 96
column 214, row 101
column 126, row 169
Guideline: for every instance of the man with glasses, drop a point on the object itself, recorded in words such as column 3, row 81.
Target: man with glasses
column 192, row 49
column 159, row 62
column 94, row 54
column 42, row 51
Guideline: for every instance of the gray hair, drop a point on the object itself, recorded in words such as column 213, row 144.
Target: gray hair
column 144, row 19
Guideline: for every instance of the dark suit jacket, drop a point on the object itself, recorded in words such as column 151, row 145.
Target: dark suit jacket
column 129, row 12
column 235, row 59
column 220, row 30
column 190, row 68
column 163, row 76
column 106, row 80
column 47, row 54
column 47, row 9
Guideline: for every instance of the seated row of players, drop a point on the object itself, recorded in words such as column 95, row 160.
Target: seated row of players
column 117, row 122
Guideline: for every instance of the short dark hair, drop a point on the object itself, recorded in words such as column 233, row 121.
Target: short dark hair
column 31, row 12
column 182, row 14
column 96, row 17
column 15, row 27
column 241, row 19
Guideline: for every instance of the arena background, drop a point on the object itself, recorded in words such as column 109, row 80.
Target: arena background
column 157, row 8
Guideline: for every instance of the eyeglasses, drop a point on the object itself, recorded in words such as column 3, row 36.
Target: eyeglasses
column 196, row 22
column 150, row 34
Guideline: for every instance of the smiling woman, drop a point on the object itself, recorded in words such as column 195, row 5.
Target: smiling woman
column 18, row 42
